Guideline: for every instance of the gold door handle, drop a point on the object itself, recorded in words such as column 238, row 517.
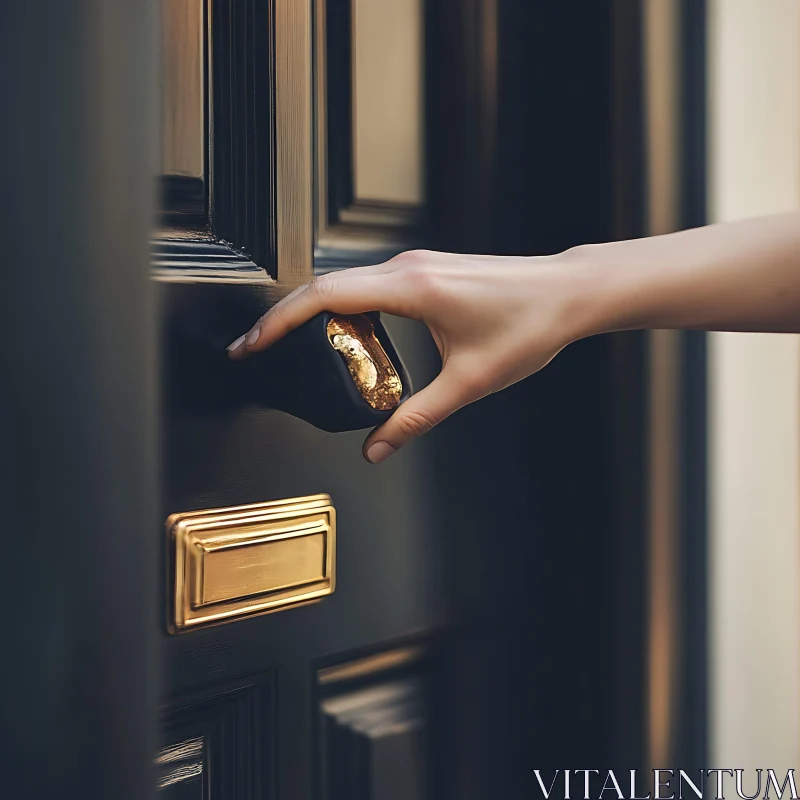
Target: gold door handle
column 228, row 563
column 371, row 369
column 338, row 372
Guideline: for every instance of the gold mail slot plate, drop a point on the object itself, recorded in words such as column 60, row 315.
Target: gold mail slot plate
column 227, row 563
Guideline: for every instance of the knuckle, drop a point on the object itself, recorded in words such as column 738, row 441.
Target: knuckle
column 419, row 271
column 416, row 423
column 413, row 257
column 274, row 317
column 323, row 287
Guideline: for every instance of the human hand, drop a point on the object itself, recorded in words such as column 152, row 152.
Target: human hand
column 494, row 319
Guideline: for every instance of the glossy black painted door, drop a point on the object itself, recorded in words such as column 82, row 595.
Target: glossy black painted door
column 327, row 699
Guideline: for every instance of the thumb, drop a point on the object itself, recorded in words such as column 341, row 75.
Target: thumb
column 417, row 416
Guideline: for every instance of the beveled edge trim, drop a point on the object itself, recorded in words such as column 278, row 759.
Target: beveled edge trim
column 201, row 260
column 198, row 273
column 370, row 665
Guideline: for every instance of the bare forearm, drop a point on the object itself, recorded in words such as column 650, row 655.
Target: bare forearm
column 742, row 276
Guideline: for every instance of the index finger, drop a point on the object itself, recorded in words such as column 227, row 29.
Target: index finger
column 353, row 294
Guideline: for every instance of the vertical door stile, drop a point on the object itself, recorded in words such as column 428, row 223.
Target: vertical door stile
column 293, row 120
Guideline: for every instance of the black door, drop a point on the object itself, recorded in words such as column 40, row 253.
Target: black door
column 300, row 593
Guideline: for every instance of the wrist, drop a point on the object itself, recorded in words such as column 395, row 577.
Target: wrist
column 599, row 298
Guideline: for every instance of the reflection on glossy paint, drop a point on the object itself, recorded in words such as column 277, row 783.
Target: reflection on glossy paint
column 179, row 762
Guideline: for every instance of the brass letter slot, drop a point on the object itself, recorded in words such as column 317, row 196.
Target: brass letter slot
column 231, row 562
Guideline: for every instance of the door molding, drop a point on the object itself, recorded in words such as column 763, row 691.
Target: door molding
column 248, row 216
column 293, row 139
column 351, row 230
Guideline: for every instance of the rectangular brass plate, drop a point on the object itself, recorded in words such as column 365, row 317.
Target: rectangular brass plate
column 230, row 562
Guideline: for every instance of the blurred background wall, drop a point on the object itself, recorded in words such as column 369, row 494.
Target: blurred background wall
column 754, row 402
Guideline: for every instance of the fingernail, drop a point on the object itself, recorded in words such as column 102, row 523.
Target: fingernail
column 379, row 451
column 252, row 337
column 234, row 345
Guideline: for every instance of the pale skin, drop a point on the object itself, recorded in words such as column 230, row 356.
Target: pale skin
column 498, row 319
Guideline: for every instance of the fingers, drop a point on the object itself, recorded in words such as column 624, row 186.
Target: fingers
column 417, row 416
column 349, row 292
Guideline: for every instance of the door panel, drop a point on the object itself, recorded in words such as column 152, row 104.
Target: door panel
column 372, row 742
column 218, row 742
column 370, row 132
column 387, row 47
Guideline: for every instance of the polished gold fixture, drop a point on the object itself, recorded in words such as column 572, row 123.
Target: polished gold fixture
column 371, row 369
column 227, row 563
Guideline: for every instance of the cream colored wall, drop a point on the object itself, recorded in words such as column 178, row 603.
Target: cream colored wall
column 754, row 402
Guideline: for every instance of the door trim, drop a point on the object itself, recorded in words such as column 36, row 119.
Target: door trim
column 257, row 68
column 293, row 120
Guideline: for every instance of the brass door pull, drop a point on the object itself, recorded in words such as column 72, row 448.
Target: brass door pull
column 227, row 563
column 372, row 371
column 337, row 372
